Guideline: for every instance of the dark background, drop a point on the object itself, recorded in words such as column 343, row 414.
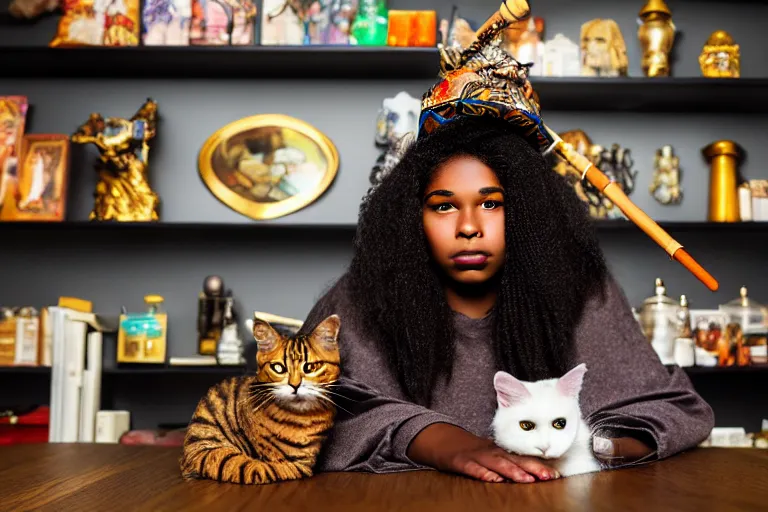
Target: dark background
column 283, row 270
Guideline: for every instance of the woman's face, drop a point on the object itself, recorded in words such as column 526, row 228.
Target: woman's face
column 463, row 217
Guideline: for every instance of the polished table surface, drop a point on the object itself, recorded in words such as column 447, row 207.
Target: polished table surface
column 114, row 477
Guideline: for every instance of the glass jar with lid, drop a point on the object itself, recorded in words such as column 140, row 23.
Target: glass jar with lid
column 751, row 333
column 660, row 324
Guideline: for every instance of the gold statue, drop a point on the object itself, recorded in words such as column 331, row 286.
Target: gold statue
column 123, row 192
column 665, row 186
column 720, row 56
column 656, row 34
column 603, row 50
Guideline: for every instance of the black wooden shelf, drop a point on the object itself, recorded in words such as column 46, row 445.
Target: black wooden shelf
column 638, row 94
column 241, row 227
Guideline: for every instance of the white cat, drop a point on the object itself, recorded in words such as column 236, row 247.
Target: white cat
column 543, row 419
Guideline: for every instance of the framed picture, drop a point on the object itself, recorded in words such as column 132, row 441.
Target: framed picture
column 41, row 180
column 268, row 166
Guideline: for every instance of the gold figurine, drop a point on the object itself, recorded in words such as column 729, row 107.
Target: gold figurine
column 665, row 186
column 720, row 56
column 656, row 34
column 724, row 157
column 123, row 192
column 603, row 50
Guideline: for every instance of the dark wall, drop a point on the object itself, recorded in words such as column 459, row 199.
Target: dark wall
column 284, row 271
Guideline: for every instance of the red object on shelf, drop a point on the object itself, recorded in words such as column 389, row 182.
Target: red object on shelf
column 30, row 427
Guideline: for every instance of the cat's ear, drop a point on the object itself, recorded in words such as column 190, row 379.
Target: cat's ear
column 265, row 335
column 509, row 390
column 570, row 384
column 327, row 332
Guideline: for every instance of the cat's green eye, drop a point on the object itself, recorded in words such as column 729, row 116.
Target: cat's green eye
column 277, row 368
column 559, row 423
column 311, row 367
column 527, row 425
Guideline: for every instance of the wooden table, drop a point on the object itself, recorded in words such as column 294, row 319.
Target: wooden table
column 113, row 477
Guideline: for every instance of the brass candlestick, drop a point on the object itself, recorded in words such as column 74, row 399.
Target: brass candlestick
column 724, row 156
column 656, row 35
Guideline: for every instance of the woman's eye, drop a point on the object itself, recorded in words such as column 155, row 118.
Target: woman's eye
column 310, row 367
column 442, row 207
column 490, row 205
column 527, row 425
column 559, row 423
column 277, row 368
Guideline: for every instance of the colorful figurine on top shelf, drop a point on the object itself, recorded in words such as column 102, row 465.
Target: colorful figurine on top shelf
column 370, row 25
column 166, row 22
column 720, row 56
column 98, row 23
column 603, row 51
column 222, row 22
column 657, row 35
column 123, row 192
column 286, row 22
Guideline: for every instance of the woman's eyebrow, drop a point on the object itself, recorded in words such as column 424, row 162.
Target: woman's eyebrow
column 486, row 191
column 440, row 192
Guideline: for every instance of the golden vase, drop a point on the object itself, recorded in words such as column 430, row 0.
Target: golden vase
column 724, row 157
column 656, row 35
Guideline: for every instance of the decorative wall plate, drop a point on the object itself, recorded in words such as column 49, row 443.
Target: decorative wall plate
column 267, row 166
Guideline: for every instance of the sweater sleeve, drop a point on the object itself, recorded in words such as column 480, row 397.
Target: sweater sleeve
column 375, row 424
column 627, row 390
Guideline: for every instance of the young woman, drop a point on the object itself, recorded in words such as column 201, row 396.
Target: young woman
column 473, row 256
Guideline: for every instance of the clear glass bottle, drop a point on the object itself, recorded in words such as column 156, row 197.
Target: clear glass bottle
column 751, row 319
column 660, row 324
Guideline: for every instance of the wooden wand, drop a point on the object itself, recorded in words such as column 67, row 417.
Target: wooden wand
column 517, row 10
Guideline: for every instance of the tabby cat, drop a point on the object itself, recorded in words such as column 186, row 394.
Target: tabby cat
column 268, row 427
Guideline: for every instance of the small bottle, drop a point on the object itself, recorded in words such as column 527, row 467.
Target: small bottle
column 371, row 24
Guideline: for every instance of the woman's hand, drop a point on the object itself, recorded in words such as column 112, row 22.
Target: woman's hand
column 449, row 448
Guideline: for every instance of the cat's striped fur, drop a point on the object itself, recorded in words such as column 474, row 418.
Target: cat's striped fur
column 268, row 427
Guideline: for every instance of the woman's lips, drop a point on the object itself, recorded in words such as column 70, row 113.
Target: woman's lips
column 470, row 258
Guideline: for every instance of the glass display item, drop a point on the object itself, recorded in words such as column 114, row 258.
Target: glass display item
column 752, row 332
column 371, row 24
column 141, row 337
column 660, row 324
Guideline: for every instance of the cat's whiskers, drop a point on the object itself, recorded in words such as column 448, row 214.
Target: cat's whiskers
column 325, row 398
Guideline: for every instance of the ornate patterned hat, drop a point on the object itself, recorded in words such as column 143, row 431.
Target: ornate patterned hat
column 483, row 80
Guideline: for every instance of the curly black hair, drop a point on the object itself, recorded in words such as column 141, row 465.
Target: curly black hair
column 553, row 262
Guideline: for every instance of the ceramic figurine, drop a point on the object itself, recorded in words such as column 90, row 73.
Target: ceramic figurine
column 561, row 57
column 397, row 117
column 720, row 57
column 123, row 192
column 229, row 350
column 603, row 51
column 616, row 163
column 657, row 35
column 665, row 186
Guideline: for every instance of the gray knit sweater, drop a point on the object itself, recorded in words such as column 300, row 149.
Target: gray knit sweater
column 626, row 388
